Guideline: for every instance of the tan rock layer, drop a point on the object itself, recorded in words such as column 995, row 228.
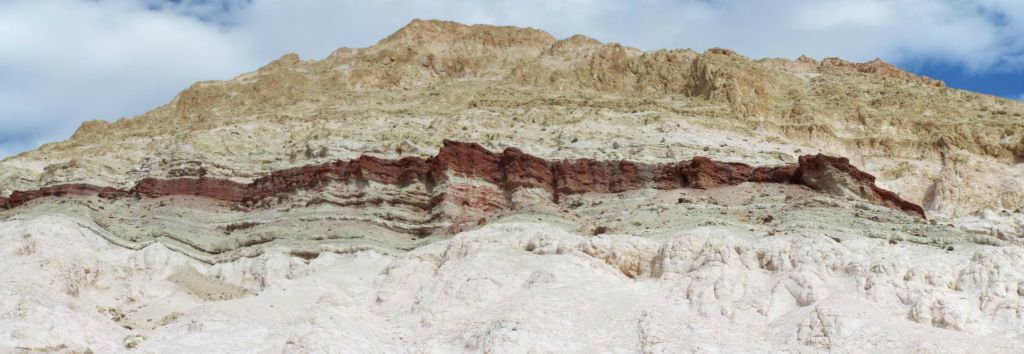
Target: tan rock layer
column 509, row 170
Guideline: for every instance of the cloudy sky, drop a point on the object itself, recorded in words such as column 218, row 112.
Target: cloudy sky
column 66, row 61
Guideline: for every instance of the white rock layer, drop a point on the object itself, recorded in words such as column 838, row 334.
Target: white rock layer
column 514, row 287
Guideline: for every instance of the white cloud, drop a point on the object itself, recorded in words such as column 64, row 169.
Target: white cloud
column 65, row 61
column 69, row 61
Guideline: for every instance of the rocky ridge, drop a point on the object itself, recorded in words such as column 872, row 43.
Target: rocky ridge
column 567, row 98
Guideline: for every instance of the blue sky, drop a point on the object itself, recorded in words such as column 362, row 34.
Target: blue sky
column 1005, row 83
column 66, row 61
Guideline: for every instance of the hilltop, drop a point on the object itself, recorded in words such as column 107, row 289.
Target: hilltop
column 434, row 80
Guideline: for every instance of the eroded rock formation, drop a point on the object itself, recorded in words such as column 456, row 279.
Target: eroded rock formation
column 563, row 99
column 497, row 176
column 836, row 175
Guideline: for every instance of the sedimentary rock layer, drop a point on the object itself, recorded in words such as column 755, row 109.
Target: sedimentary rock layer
column 508, row 171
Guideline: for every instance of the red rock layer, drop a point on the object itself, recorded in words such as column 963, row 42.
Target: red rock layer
column 18, row 198
column 814, row 171
column 509, row 170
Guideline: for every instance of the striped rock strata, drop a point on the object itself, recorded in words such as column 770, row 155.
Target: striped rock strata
column 465, row 182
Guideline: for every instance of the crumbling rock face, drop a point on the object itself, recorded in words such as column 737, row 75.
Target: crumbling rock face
column 836, row 175
column 878, row 67
column 63, row 190
column 206, row 187
column 703, row 173
column 448, row 179
column 471, row 82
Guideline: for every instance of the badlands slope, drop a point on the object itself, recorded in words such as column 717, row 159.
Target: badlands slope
column 618, row 201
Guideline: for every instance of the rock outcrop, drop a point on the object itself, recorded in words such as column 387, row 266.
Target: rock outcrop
column 504, row 172
column 563, row 99
column 681, row 200
column 836, row 175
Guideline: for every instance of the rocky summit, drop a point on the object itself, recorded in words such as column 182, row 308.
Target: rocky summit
column 458, row 188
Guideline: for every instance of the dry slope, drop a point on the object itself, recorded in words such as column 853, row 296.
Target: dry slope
column 171, row 232
column 575, row 97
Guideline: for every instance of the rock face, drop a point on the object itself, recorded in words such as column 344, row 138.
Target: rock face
column 513, row 287
column 506, row 172
column 557, row 99
column 836, row 175
column 605, row 199
column 59, row 191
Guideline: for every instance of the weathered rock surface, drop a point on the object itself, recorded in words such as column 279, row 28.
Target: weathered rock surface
column 836, row 175
column 506, row 172
column 641, row 201
column 557, row 99
column 518, row 285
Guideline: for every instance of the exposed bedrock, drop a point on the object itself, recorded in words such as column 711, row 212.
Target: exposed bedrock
column 467, row 181
column 835, row 175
